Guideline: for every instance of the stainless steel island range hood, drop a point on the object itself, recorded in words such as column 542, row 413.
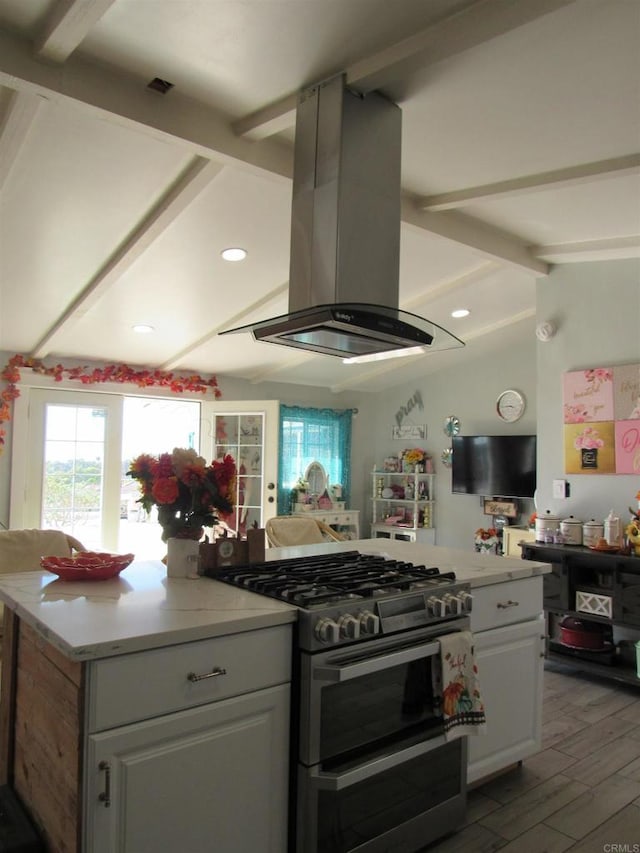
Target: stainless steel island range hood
column 345, row 232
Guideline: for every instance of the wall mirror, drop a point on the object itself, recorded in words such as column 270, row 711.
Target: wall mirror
column 316, row 476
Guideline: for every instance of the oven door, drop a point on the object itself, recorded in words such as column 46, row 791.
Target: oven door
column 373, row 694
column 401, row 801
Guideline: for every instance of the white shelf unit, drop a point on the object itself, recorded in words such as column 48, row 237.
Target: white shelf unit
column 415, row 511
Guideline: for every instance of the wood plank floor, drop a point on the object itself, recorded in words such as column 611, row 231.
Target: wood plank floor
column 581, row 793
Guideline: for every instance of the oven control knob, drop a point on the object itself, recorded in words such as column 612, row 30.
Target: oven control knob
column 453, row 604
column 349, row 627
column 327, row 630
column 437, row 606
column 369, row 622
column 467, row 601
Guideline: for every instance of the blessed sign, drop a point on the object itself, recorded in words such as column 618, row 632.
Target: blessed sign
column 506, row 508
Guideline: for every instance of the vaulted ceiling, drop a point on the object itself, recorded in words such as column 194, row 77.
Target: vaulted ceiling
column 520, row 150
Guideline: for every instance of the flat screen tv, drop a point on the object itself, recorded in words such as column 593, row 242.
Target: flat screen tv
column 494, row 465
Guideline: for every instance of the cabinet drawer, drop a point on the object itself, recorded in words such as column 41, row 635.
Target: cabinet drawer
column 342, row 518
column 148, row 684
column 506, row 603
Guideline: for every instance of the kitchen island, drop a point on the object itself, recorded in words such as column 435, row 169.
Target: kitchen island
column 144, row 713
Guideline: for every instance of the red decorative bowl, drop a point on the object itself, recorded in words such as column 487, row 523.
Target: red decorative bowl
column 87, row 566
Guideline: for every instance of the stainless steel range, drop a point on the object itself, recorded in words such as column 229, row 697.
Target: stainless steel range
column 371, row 768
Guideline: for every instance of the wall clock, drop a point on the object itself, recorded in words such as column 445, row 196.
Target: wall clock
column 510, row 405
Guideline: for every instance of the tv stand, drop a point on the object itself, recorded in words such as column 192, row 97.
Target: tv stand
column 603, row 588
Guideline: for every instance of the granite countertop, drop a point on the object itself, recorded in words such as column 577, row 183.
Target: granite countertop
column 469, row 566
column 143, row 609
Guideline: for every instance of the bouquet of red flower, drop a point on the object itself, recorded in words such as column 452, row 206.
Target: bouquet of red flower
column 189, row 493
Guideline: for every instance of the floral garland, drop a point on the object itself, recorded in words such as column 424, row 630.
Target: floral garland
column 120, row 373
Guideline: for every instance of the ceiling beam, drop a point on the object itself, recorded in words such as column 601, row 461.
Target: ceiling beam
column 468, row 28
column 611, row 249
column 489, row 241
column 197, row 177
column 18, row 121
column 66, row 27
column 121, row 98
column 555, row 179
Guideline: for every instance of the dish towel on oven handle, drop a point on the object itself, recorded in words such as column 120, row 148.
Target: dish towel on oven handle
column 456, row 686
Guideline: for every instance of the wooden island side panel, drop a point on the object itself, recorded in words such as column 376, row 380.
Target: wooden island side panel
column 47, row 748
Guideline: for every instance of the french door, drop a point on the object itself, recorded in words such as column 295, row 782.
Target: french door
column 248, row 431
column 71, row 451
column 67, row 466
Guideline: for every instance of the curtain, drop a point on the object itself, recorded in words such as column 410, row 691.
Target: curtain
column 313, row 435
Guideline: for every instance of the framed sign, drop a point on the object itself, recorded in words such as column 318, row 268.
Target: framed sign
column 506, row 508
column 410, row 431
column 602, row 420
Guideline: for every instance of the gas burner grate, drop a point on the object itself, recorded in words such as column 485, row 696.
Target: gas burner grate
column 310, row 582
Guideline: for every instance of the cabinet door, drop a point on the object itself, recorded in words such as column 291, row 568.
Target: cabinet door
column 510, row 666
column 210, row 778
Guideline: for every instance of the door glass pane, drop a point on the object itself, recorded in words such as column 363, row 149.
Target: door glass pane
column 151, row 426
column 241, row 436
column 73, row 478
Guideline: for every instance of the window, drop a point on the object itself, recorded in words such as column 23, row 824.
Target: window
column 313, row 435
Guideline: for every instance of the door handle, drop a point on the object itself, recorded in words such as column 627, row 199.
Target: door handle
column 105, row 796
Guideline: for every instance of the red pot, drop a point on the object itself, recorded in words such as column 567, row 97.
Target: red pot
column 583, row 635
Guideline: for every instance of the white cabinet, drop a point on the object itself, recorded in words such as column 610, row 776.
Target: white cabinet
column 183, row 740
column 210, row 778
column 408, row 512
column 508, row 629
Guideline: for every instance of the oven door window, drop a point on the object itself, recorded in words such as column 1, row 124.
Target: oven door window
column 384, row 706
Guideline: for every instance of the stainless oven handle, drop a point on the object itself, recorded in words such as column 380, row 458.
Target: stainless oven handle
column 335, row 673
column 338, row 781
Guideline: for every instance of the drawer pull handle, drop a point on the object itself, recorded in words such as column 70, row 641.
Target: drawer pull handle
column 215, row 672
column 504, row 605
column 105, row 796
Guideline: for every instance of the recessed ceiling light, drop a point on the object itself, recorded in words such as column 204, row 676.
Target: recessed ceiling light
column 143, row 329
column 234, row 254
column 460, row 312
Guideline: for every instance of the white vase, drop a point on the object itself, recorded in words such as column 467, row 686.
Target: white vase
column 182, row 558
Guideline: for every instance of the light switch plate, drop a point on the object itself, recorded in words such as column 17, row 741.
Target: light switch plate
column 559, row 489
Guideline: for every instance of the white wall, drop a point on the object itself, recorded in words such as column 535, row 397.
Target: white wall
column 469, row 390
column 596, row 307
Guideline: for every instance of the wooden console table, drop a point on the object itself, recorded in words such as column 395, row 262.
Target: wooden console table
column 595, row 587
